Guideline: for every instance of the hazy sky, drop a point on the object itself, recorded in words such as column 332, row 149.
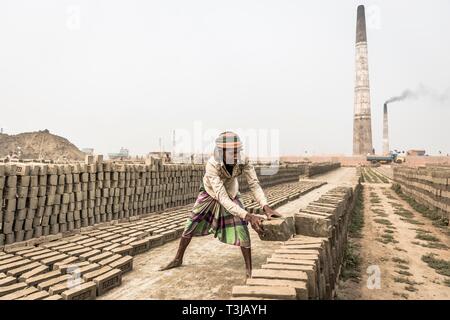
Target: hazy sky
column 106, row 74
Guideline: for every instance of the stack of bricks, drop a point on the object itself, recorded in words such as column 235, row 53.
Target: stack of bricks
column 323, row 167
column 428, row 185
column 87, row 265
column 308, row 265
column 40, row 199
column 270, row 176
column 279, row 195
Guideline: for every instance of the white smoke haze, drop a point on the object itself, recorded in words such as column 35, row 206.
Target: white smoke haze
column 421, row 91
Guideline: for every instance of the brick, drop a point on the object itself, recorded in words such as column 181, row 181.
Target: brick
column 12, row 288
column 45, row 255
column 10, row 260
column 13, row 265
column 54, row 297
column 299, row 286
column 125, row 264
column 279, row 274
column 19, row 294
column 108, row 281
column 101, row 256
column 73, row 267
column 155, row 241
column 45, row 285
column 278, row 229
column 88, row 254
column 64, row 286
column 36, row 296
column 23, row 269
column 90, row 267
column 79, row 252
column 286, row 261
column 85, row 291
column 125, row 250
column 32, row 273
column 36, row 253
column 93, row 274
column 51, row 260
column 109, row 260
column 140, row 246
column 66, row 261
column 274, row 292
column 32, row 281
column 6, row 281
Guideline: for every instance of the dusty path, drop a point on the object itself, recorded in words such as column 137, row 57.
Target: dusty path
column 210, row 268
column 393, row 242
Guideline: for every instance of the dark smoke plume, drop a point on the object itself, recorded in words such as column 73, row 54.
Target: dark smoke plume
column 421, row 91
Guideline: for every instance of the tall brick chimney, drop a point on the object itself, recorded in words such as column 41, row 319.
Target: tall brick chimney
column 362, row 123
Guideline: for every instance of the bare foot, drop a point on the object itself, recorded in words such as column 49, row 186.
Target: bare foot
column 175, row 263
column 248, row 274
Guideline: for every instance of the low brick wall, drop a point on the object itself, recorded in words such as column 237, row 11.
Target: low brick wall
column 307, row 266
column 320, row 168
column 428, row 185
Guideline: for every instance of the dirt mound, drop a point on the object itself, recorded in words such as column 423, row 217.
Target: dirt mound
column 41, row 144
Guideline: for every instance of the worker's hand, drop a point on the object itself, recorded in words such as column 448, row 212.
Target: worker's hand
column 271, row 213
column 255, row 222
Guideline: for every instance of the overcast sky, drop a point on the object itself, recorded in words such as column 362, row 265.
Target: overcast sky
column 107, row 74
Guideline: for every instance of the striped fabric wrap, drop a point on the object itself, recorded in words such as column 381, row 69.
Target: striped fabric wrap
column 228, row 140
column 210, row 217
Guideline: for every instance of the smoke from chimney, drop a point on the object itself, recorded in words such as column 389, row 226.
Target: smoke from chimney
column 421, row 91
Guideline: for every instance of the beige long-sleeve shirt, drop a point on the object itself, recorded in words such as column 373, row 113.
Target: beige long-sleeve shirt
column 224, row 187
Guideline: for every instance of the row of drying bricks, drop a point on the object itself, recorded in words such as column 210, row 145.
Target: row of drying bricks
column 280, row 195
column 83, row 266
column 298, row 270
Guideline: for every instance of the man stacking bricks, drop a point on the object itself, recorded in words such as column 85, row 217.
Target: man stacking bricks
column 218, row 209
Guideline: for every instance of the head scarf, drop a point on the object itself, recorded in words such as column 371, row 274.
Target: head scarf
column 226, row 140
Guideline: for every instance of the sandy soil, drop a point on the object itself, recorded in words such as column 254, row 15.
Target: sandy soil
column 210, row 268
column 424, row 282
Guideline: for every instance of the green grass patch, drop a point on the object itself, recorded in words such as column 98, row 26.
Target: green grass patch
column 385, row 222
column 441, row 266
column 427, row 237
column 410, row 288
column 405, row 280
column 404, row 273
column 400, row 260
column 412, row 221
column 351, row 265
column 447, row 282
column 404, row 213
column 434, row 245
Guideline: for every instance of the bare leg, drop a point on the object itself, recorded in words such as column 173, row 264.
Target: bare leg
column 178, row 260
column 247, row 253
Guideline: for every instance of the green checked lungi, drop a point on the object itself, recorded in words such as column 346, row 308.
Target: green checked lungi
column 210, row 217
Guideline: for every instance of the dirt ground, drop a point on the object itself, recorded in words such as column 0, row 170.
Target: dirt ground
column 390, row 251
column 210, row 268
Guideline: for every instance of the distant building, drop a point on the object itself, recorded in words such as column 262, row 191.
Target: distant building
column 415, row 152
column 122, row 154
column 88, row 151
column 165, row 155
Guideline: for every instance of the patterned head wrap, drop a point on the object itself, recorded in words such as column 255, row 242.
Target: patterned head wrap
column 228, row 140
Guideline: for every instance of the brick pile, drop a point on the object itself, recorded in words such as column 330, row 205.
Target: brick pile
column 40, row 199
column 307, row 266
column 86, row 265
column 428, row 185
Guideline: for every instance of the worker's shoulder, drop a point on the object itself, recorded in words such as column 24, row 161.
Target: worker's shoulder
column 212, row 164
